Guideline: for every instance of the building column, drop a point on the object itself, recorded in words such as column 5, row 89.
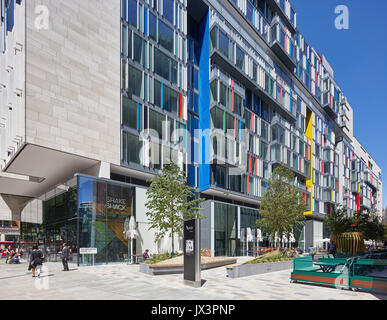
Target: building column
column 308, row 233
column 16, row 204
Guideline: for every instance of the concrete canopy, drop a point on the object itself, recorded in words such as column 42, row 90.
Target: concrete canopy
column 41, row 169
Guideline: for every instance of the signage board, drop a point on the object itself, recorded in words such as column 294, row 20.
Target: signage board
column 88, row 250
column 192, row 255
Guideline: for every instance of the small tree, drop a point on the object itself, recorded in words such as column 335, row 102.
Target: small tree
column 282, row 206
column 170, row 202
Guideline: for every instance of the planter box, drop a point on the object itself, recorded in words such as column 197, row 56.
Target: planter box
column 246, row 270
column 158, row 269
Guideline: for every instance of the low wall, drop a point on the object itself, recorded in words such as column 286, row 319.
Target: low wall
column 245, row 270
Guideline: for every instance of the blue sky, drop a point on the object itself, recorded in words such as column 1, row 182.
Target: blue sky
column 359, row 58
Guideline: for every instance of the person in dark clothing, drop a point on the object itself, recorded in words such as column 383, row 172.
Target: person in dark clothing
column 332, row 248
column 65, row 257
column 36, row 261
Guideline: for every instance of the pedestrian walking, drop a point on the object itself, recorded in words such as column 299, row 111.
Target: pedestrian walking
column 312, row 251
column 8, row 253
column 36, row 261
column 65, row 257
column 332, row 248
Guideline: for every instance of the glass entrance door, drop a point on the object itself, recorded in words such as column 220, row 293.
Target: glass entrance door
column 234, row 247
column 225, row 229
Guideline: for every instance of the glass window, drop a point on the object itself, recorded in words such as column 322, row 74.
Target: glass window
column 152, row 26
column 134, row 148
column 265, row 151
column 156, row 122
column 129, row 113
column 235, row 182
column 266, row 172
column 264, row 130
column 165, row 36
column 123, row 79
column 240, row 58
column 213, row 43
column 217, row 118
column 135, row 81
column 139, row 50
column 132, row 12
column 157, row 93
column 214, row 91
column 168, row 10
column 161, row 64
column 225, row 226
column 224, row 44
column 238, row 104
column 170, row 100
column 224, row 97
column 124, row 48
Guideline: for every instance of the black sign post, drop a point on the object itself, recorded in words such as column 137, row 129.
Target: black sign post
column 192, row 256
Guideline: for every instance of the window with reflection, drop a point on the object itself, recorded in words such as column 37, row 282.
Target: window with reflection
column 165, row 36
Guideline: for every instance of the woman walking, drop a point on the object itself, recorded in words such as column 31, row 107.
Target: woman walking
column 36, row 261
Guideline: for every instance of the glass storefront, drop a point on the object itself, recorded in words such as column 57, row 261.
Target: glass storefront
column 103, row 208
column 249, row 219
column 85, row 213
column 226, row 242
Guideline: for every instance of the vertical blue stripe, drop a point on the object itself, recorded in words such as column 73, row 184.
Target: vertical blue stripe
column 204, row 104
column 146, row 21
column 240, row 130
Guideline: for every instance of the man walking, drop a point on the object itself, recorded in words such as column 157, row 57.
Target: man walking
column 332, row 249
column 65, row 257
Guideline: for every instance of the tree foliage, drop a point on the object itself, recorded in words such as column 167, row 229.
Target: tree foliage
column 370, row 225
column 339, row 222
column 170, row 202
column 282, row 206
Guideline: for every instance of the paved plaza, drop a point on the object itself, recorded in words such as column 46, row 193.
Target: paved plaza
column 125, row 282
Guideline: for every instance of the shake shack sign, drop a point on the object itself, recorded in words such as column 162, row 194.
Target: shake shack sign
column 119, row 199
column 116, row 204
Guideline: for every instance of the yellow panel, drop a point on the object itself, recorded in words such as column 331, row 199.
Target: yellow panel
column 309, row 135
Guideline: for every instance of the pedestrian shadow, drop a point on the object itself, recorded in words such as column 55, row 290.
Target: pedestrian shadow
column 71, row 270
column 46, row 276
column 17, row 276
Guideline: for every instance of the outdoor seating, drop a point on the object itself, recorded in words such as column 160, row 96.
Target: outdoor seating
column 355, row 273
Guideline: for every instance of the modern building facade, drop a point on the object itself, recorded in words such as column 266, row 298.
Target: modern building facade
column 98, row 99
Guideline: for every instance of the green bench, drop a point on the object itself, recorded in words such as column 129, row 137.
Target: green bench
column 304, row 264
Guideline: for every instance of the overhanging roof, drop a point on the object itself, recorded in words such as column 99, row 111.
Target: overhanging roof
column 41, row 169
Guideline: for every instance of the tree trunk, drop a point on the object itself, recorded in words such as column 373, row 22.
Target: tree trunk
column 173, row 243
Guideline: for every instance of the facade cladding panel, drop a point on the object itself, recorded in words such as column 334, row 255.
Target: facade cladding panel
column 73, row 101
column 128, row 82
